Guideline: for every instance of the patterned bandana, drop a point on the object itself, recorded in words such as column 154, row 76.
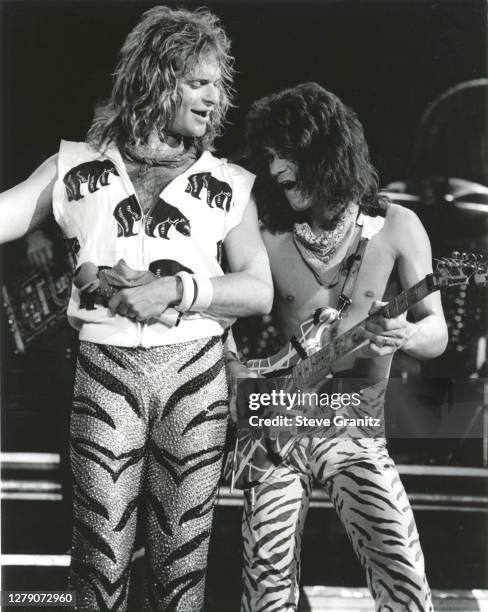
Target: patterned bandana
column 151, row 170
column 316, row 251
column 157, row 156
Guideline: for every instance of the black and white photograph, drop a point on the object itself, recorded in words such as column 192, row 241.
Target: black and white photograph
column 244, row 325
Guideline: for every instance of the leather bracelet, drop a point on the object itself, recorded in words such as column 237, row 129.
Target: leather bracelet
column 204, row 293
column 188, row 294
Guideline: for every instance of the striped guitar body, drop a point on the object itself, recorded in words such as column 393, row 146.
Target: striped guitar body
column 252, row 459
column 308, row 340
column 309, row 356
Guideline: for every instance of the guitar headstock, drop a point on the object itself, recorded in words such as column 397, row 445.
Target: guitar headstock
column 461, row 269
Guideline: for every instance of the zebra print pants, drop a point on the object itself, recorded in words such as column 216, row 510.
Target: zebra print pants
column 147, row 434
column 365, row 489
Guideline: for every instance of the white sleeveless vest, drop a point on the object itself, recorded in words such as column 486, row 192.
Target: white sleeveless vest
column 94, row 202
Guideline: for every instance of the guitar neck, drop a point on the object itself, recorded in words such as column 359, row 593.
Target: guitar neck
column 409, row 297
column 341, row 346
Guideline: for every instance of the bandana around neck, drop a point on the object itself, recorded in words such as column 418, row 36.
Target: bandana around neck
column 317, row 250
column 158, row 156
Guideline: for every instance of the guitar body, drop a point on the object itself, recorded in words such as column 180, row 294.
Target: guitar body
column 255, row 457
column 309, row 339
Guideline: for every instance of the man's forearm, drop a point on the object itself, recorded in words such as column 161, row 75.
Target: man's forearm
column 240, row 294
column 428, row 338
column 230, row 296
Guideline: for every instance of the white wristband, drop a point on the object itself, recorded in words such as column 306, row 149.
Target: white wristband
column 188, row 294
column 204, row 293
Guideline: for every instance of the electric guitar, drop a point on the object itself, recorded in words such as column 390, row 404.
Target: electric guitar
column 306, row 356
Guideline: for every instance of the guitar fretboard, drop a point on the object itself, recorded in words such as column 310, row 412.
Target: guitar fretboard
column 344, row 344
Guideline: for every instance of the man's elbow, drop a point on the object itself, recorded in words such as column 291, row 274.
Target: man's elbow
column 442, row 338
column 443, row 341
column 265, row 302
column 260, row 291
column 437, row 346
column 268, row 305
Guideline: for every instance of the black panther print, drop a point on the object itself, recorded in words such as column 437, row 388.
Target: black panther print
column 126, row 213
column 92, row 172
column 219, row 193
column 162, row 217
column 167, row 267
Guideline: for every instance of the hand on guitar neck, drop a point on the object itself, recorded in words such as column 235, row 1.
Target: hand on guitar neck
column 386, row 336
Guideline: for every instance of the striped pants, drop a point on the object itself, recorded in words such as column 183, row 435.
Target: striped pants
column 369, row 498
column 147, row 435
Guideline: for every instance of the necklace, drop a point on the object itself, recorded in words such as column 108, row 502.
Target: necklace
column 316, row 251
column 326, row 278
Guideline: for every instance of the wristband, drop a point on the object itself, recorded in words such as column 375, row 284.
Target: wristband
column 204, row 293
column 188, row 294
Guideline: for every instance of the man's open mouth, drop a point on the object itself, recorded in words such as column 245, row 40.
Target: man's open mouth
column 288, row 185
column 201, row 113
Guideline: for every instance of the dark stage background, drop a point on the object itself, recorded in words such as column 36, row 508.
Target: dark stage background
column 386, row 59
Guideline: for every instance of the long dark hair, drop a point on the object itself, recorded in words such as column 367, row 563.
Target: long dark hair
column 164, row 45
column 324, row 137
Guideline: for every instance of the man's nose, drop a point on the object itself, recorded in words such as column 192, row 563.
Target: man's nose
column 211, row 94
column 276, row 166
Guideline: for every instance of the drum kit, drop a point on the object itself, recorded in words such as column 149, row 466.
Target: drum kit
column 465, row 196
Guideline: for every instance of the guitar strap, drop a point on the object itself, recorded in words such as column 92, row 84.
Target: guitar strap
column 370, row 227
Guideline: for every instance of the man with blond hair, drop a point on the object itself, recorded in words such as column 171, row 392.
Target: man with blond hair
column 148, row 210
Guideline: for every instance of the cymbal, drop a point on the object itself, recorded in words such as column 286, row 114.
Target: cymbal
column 468, row 196
column 400, row 197
column 463, row 195
column 470, row 200
column 475, row 207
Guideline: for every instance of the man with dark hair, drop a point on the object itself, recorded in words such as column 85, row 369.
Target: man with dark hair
column 147, row 208
column 318, row 197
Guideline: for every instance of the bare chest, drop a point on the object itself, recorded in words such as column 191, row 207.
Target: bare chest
column 298, row 293
column 149, row 182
